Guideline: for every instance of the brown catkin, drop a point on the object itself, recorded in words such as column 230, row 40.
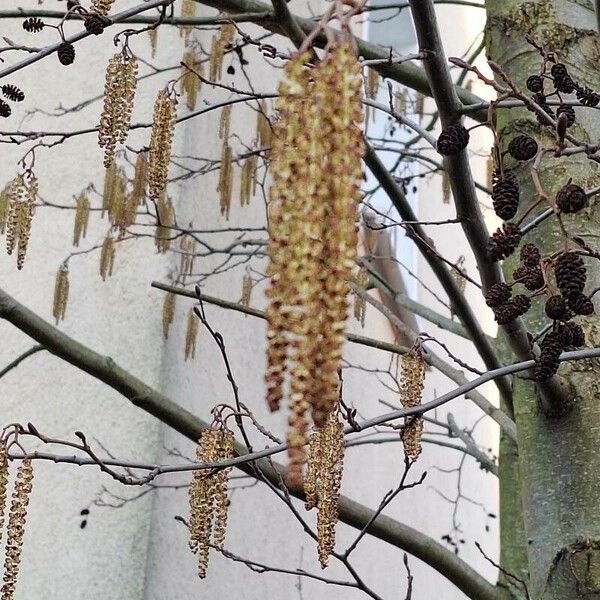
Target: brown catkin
column 225, row 122
column 15, row 528
column 248, row 179
column 188, row 10
column 3, row 483
column 107, row 257
column 264, row 131
column 317, row 174
column 323, row 481
column 246, row 290
column 208, row 496
column 191, row 335
column 161, row 139
column 119, row 94
column 360, row 305
column 102, row 7
column 190, row 82
column 61, row 293
column 166, row 219
column 188, row 247
column 411, row 389
column 225, row 180
column 140, row 175
column 219, row 44
column 4, row 206
column 168, row 312
column 82, row 216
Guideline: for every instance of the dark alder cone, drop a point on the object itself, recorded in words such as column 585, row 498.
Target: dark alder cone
column 12, row 92
column 577, row 335
column 569, row 111
column 452, row 140
column 570, row 274
column 505, row 195
column 96, row 24
column 33, row 25
column 581, row 305
column 512, row 309
column 4, row 109
column 523, row 147
column 531, row 277
column 503, row 241
column 66, row 53
column 541, row 101
column 530, row 255
column 587, row 96
column 498, row 294
column 535, row 83
column 550, row 349
column 567, row 335
column 556, row 307
column 571, row 198
column 562, row 79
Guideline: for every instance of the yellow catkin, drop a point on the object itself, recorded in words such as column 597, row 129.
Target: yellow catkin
column 246, row 290
column 187, row 245
column 15, row 529
column 168, row 313
column 161, row 139
column 107, row 257
column 191, row 335
column 208, row 496
column 400, row 101
column 446, row 189
column 219, row 45
column 190, row 82
column 153, row 35
column 372, row 83
column 140, row 174
column 61, row 293
column 102, row 7
column 360, row 306
column 188, row 11
column 166, row 219
column 119, row 94
column 82, row 216
column 248, row 179
column 411, row 390
column 323, row 481
column 317, row 174
column 225, row 122
column 22, row 195
column 4, row 206
column 3, row 483
column 420, row 106
column 225, row 180
column 264, row 132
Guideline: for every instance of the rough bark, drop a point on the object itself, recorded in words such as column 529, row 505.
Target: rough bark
column 559, row 462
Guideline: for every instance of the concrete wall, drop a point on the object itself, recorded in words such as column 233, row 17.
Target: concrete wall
column 139, row 550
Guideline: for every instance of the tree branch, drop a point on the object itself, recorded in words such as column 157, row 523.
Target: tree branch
column 143, row 396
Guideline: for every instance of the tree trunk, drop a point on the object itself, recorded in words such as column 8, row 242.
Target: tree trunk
column 559, row 458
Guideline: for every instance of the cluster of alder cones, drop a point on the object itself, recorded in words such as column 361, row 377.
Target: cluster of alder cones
column 564, row 292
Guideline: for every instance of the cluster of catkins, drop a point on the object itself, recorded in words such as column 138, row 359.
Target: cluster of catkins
column 316, row 165
column 17, row 206
column 208, row 495
column 569, row 278
column 17, row 514
column 323, row 480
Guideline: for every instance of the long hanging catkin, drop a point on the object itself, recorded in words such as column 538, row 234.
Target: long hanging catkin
column 16, row 528
column 316, row 164
column 161, row 139
column 411, row 389
column 208, row 496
